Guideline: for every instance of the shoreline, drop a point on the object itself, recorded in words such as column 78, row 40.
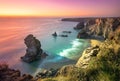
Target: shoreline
column 89, row 62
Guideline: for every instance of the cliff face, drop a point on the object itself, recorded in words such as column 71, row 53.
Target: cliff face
column 97, row 63
column 87, row 55
column 102, row 27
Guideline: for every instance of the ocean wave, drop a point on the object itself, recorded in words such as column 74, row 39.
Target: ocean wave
column 73, row 51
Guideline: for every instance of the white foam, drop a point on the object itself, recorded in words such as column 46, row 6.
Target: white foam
column 70, row 52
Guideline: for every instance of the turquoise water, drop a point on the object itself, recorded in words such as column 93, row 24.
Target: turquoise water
column 61, row 50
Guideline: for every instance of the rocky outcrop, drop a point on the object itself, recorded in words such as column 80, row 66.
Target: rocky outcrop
column 87, row 55
column 7, row 74
column 80, row 25
column 33, row 51
column 102, row 27
column 46, row 74
column 54, row 34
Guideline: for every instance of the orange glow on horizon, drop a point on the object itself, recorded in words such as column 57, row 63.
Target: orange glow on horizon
column 24, row 13
column 58, row 8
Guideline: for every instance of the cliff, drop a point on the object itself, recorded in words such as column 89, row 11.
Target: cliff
column 97, row 63
column 99, row 27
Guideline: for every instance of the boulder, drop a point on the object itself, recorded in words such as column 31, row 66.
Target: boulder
column 87, row 55
column 33, row 51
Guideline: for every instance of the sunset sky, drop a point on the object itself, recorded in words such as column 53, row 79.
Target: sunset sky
column 60, row 8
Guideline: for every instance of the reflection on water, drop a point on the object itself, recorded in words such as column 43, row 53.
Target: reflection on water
column 61, row 51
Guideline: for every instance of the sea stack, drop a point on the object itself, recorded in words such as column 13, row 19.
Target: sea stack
column 33, row 51
column 54, row 34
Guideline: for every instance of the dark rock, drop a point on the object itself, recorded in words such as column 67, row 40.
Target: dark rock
column 67, row 32
column 7, row 74
column 46, row 73
column 3, row 67
column 82, row 34
column 44, row 54
column 63, row 35
column 33, row 51
column 80, row 25
column 54, row 34
column 102, row 27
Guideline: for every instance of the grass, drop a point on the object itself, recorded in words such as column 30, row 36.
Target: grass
column 103, row 67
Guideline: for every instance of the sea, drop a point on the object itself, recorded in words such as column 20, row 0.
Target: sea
column 61, row 50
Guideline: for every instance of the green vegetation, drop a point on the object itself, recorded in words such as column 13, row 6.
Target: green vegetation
column 103, row 67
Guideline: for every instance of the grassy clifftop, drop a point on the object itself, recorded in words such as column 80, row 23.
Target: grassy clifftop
column 105, row 66
column 97, row 63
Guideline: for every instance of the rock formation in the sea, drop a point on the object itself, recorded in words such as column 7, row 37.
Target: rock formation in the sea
column 33, row 51
column 7, row 74
column 63, row 35
column 54, row 34
column 67, row 31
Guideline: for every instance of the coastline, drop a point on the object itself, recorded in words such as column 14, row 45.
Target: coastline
column 95, row 62
column 91, row 63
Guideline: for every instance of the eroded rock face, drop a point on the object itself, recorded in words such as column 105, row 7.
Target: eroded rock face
column 33, row 51
column 87, row 56
column 102, row 27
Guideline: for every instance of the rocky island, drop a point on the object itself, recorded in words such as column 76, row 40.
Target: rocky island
column 33, row 51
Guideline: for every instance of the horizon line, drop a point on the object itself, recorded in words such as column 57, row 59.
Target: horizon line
column 57, row 16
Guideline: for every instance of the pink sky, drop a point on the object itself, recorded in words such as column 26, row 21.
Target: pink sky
column 57, row 8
